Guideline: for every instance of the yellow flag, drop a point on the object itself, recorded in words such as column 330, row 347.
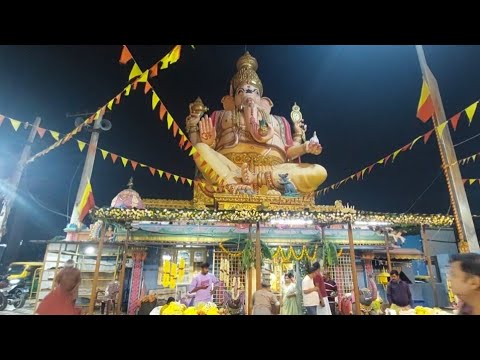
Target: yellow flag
column 380, row 161
column 193, row 151
column 471, row 111
column 414, row 141
column 169, row 120
column 155, row 100
column 474, row 157
column 110, row 104
column 55, row 134
column 97, row 115
column 104, row 153
column 363, row 172
column 352, row 176
column 135, row 72
column 160, row 172
column 127, row 89
column 124, row 161
column 189, row 182
column 181, row 132
column 15, row 124
column 471, row 181
column 395, row 154
column 144, row 77
column 441, row 127
column 81, row 145
column 176, row 177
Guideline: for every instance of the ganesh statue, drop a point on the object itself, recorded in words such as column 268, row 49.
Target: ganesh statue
column 250, row 149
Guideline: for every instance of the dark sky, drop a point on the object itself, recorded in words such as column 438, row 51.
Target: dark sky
column 361, row 100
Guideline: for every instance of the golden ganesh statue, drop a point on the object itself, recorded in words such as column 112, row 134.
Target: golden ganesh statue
column 250, row 148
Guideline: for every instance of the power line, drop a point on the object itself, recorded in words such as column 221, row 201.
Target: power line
column 423, row 193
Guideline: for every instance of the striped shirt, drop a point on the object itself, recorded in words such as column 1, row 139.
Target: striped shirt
column 330, row 287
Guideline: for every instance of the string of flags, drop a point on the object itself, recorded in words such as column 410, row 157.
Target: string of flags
column 424, row 110
column 40, row 131
column 471, row 181
column 138, row 76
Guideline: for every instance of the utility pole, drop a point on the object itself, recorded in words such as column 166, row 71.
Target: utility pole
column 468, row 241
column 11, row 192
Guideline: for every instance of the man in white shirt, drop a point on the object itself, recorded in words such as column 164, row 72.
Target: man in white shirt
column 310, row 293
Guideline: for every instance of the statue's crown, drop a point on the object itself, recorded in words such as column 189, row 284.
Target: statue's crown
column 247, row 66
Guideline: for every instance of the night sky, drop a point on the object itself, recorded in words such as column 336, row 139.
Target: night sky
column 361, row 100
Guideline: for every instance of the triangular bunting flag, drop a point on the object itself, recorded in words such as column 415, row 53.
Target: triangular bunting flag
column 425, row 108
column 474, row 157
column 188, row 146
column 181, row 132
column 395, row 154
column 175, row 129
column 97, row 115
column 117, row 98
column 196, row 156
column 104, row 153
column 152, row 170
column 182, row 141
column 193, row 151
column 363, row 172
column 114, row 157
column 471, row 181
column 441, row 128
column 155, row 100
column 464, row 181
column 160, row 172
column 182, row 179
column 54, row 134
column 380, row 161
column 189, row 182
column 454, row 120
column 124, row 161
column 370, row 168
column 154, row 70
column 15, row 124
column 110, row 104
column 414, row 141
column 168, row 175
column 406, row 147
column 163, row 110
column 144, row 77
column 136, row 71
column 126, row 56
column 148, row 87
column 352, row 176
column 81, row 145
column 358, row 174
column 169, row 120
column 134, row 164
column 426, row 137
column 176, row 177
column 142, row 165
column 127, row 89
column 41, row 132
column 470, row 111
column 388, row 157
column 134, row 85
column 1, row 119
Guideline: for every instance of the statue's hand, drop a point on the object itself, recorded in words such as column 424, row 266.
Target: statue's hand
column 208, row 133
column 313, row 148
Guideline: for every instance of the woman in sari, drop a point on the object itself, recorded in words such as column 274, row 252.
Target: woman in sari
column 290, row 303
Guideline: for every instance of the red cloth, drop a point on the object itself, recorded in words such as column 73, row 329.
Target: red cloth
column 318, row 281
column 58, row 302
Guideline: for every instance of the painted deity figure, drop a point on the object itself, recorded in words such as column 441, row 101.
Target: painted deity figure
column 249, row 147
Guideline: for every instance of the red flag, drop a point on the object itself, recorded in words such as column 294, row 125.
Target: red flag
column 386, row 159
column 358, row 175
column 114, row 157
column 168, row 175
column 427, row 136
column 117, row 98
column 370, row 168
column 148, row 87
column 126, row 56
column 175, row 129
column 163, row 110
column 152, row 170
column 154, row 71
column 182, row 179
column 406, row 147
column 41, row 131
column 425, row 108
column 454, row 120
column 87, row 202
column 134, row 164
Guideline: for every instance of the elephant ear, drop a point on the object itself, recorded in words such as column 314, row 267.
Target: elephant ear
column 267, row 104
column 228, row 103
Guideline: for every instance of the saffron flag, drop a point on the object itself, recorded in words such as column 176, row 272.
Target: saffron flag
column 425, row 108
column 87, row 202
column 125, row 56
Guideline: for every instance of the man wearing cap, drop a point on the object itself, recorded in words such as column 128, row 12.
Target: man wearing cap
column 202, row 285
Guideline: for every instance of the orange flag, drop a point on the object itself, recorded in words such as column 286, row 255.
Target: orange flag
column 168, row 175
column 386, row 159
column 148, row 87
column 454, row 121
column 163, row 110
column 425, row 108
column 370, row 168
column 152, row 170
column 182, row 179
column 154, row 70
column 188, row 146
column 427, row 136
column 41, row 131
column 175, row 129
column 114, row 157
column 134, row 85
column 117, row 98
column 1, row 119
column 134, row 164
column 126, row 56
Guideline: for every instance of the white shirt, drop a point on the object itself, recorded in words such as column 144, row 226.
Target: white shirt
column 311, row 299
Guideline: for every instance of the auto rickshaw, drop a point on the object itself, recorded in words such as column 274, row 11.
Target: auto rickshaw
column 20, row 281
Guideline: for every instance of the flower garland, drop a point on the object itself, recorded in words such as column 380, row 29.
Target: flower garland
column 291, row 254
column 228, row 252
